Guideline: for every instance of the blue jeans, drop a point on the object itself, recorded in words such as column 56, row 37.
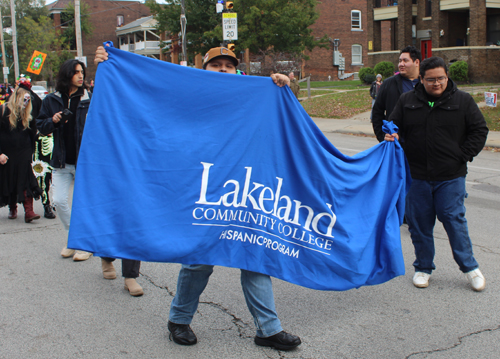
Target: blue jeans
column 61, row 184
column 257, row 289
column 427, row 200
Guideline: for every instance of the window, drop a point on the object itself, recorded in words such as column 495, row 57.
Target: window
column 428, row 8
column 493, row 30
column 357, row 54
column 355, row 20
column 119, row 20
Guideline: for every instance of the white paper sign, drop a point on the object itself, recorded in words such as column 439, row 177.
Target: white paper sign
column 491, row 99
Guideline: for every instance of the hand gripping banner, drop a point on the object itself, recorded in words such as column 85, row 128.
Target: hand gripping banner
column 198, row 167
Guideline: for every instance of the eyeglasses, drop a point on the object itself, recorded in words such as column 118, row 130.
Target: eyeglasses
column 440, row 80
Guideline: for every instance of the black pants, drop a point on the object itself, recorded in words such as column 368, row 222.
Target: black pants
column 47, row 180
column 130, row 267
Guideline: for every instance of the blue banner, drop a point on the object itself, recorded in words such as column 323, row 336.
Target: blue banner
column 198, row 167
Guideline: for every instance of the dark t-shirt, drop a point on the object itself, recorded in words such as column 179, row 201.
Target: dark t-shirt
column 69, row 127
column 408, row 85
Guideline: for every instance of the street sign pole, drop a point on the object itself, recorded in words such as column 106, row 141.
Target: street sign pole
column 183, row 33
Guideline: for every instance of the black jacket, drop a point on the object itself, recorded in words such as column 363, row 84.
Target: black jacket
column 387, row 97
column 439, row 141
column 52, row 104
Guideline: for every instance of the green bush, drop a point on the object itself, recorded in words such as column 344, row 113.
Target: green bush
column 459, row 71
column 385, row 68
column 363, row 72
column 369, row 78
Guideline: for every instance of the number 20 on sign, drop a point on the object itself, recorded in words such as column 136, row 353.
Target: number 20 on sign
column 230, row 26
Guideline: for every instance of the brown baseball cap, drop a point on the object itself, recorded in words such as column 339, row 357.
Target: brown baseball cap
column 218, row 52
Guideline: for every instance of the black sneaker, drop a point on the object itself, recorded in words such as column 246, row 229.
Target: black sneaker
column 182, row 334
column 280, row 341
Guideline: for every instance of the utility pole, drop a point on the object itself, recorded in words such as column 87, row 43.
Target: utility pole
column 78, row 29
column 4, row 58
column 14, row 38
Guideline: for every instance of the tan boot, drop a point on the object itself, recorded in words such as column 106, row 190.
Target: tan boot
column 108, row 270
column 133, row 287
column 66, row 252
column 81, row 256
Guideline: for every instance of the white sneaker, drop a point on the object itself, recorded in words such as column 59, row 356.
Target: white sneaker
column 82, row 256
column 476, row 279
column 421, row 279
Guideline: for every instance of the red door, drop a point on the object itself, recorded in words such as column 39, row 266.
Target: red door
column 426, row 48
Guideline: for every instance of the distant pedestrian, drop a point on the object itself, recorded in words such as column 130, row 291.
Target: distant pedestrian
column 17, row 137
column 63, row 114
column 440, row 129
column 374, row 89
column 4, row 95
column 294, row 84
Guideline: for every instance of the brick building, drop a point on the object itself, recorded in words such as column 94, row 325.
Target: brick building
column 467, row 30
column 105, row 16
column 343, row 20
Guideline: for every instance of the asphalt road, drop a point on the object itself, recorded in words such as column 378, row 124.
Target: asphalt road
column 52, row 307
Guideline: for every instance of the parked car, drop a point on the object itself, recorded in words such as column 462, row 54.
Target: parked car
column 40, row 91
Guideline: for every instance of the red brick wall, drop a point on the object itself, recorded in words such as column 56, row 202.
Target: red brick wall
column 385, row 32
column 335, row 22
column 484, row 62
column 104, row 21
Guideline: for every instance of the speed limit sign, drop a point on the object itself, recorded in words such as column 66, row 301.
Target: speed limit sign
column 230, row 26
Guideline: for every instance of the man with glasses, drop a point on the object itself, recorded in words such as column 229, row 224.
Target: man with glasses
column 440, row 130
column 393, row 87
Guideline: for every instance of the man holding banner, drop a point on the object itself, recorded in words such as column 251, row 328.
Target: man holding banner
column 193, row 279
column 441, row 129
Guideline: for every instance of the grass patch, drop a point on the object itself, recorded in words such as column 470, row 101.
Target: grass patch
column 340, row 105
column 477, row 85
column 491, row 114
column 303, row 93
column 337, row 85
column 492, row 117
column 478, row 97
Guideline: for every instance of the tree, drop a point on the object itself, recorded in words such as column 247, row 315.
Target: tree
column 28, row 15
column 33, row 8
column 280, row 25
column 68, row 19
column 264, row 26
column 201, row 20
column 42, row 36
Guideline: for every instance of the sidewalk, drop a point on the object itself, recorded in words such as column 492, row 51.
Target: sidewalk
column 361, row 125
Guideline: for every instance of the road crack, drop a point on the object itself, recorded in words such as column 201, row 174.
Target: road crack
column 240, row 325
column 460, row 341
column 34, row 229
column 150, row 280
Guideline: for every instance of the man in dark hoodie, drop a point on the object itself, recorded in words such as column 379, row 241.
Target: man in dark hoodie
column 440, row 130
column 63, row 114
